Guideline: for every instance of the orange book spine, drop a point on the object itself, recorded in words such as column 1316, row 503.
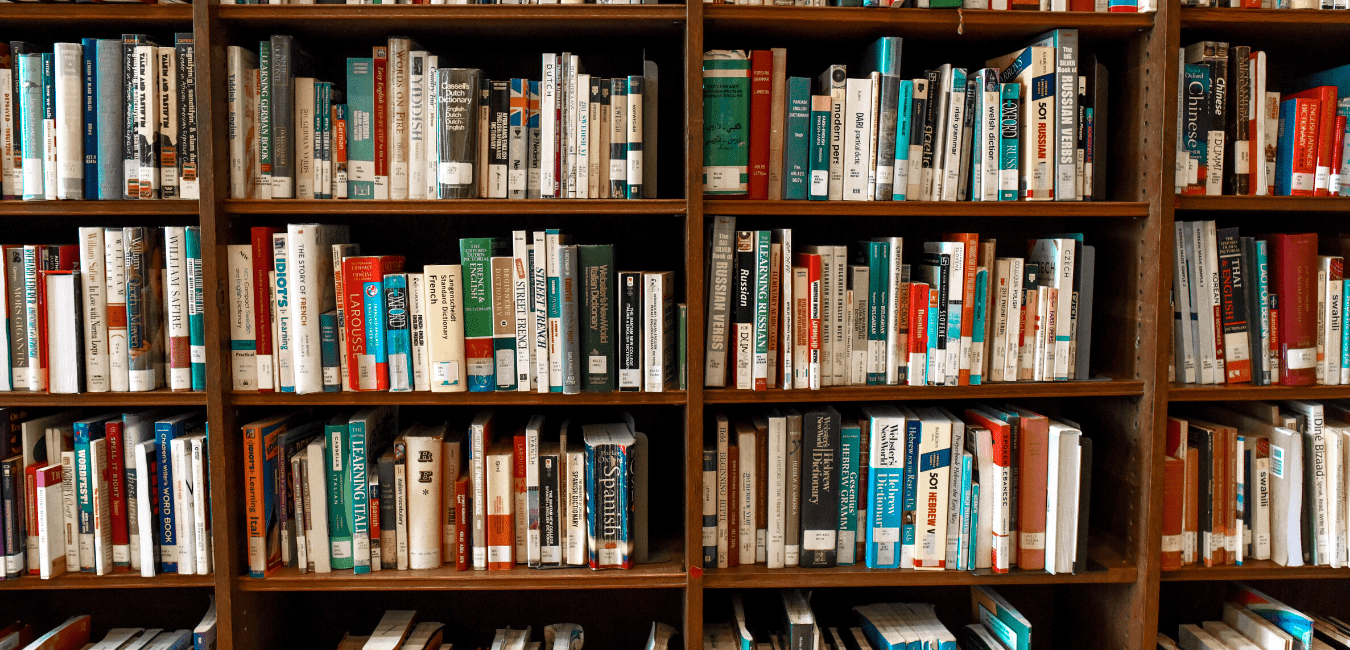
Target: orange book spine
column 520, row 516
column 501, row 536
column 1174, row 491
column 734, row 511
column 969, row 241
column 1033, row 475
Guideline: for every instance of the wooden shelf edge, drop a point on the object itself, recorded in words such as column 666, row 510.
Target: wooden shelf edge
column 129, row 13
column 113, row 581
column 1240, row 392
column 655, row 576
column 1253, row 570
column 149, row 398
column 987, row 209
column 457, row 206
column 915, row 16
column 504, row 398
column 1265, row 203
column 860, row 576
column 588, row 12
column 1213, row 17
column 95, row 208
column 1103, row 388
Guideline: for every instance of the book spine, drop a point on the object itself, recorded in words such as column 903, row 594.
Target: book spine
column 138, row 244
column 502, row 305
column 396, row 128
column 165, row 518
column 176, row 297
column 636, row 129
column 820, row 489
column 166, row 117
column 329, row 325
column 630, row 331
column 417, row 331
column 475, row 255
column 518, row 139
column 281, row 295
column 89, row 133
column 359, row 507
column 658, row 307
column 360, row 128
column 761, row 78
column 846, row 542
column 858, row 144
column 195, row 313
column 618, row 137
column 282, row 82
column 498, row 139
column 818, row 149
column 389, row 524
column 30, row 125
column 598, row 311
column 458, row 133
column 398, row 341
column 569, row 321
column 727, row 99
column 189, row 186
column 262, row 260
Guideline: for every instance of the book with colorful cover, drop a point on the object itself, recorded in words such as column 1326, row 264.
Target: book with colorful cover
column 475, row 256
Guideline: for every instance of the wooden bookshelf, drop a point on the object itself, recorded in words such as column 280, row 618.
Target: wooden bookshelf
column 1262, row 203
column 467, row 206
column 498, row 398
column 1254, row 570
column 669, row 575
column 110, row 581
column 1014, row 390
column 148, row 398
column 871, row 209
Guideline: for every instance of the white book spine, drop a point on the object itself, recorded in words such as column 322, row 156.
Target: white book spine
column 1261, row 509
column 657, row 306
column 95, row 308
column 539, row 297
column 998, row 343
column 304, row 137
column 147, row 131
column 243, row 338
column 425, row 474
column 417, row 330
column 68, row 511
column 951, row 143
column 522, row 299
column 930, row 539
column 745, row 498
column 238, row 126
column 576, row 508
column 98, row 482
column 445, row 331
column 181, row 460
column 176, row 299
column 582, row 116
column 10, row 173
column 432, row 128
column 284, row 320
column 398, row 91
column 51, row 544
column 69, row 60
column 417, row 125
column 201, row 526
column 317, row 535
column 548, row 130
column 145, row 513
column 1016, row 293
column 400, row 550
column 166, row 114
column 857, row 143
column 594, row 154
column 554, row 270
column 1215, row 301
column 1052, row 499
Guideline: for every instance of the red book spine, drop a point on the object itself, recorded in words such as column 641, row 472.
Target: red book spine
column 761, row 90
column 381, row 120
column 42, row 329
column 1325, row 97
column 1082, row 5
column 67, row 257
column 1275, row 338
column 363, row 371
column 970, row 241
column 117, row 504
column 1174, row 489
column 462, row 506
column 261, row 237
column 1033, row 465
column 918, row 333
column 734, row 512
column 521, row 511
column 30, row 476
column 1337, row 142
column 1294, row 277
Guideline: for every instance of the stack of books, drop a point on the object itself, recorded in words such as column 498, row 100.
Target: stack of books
column 1029, row 126
column 1257, row 480
column 411, row 130
column 1264, row 310
column 75, row 634
column 309, row 313
column 1238, row 135
column 1252, row 619
column 333, row 493
column 400, row 630
column 99, row 119
column 119, row 311
column 819, row 489
column 782, row 315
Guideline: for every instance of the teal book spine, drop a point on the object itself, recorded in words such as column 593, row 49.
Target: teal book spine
column 358, row 482
column 360, row 137
column 904, row 124
column 910, row 497
column 30, row 125
column 963, row 548
column 726, row 123
column 196, row 317
column 979, row 318
column 598, row 316
column 974, row 524
column 398, row 340
column 796, row 151
column 339, row 485
column 84, row 495
column 1009, row 137
column 328, row 352
column 818, row 149
column 878, row 301
column 850, row 436
column 475, row 254
column 264, row 115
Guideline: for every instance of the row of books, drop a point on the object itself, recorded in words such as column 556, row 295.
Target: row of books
column 789, row 621
column 1257, row 480
column 111, row 493
column 817, row 489
column 119, row 311
column 1264, row 310
column 333, row 493
column 103, row 119
column 400, row 630
column 75, row 633
column 309, row 313
column 411, row 129
column 1238, row 135
column 785, row 316
column 1254, row 621
column 1029, row 126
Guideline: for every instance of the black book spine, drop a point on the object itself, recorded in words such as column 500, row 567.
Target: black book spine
column 499, row 137
column 820, row 488
column 918, row 128
column 1232, row 289
column 630, row 331
column 743, row 308
column 550, row 514
column 1237, row 161
column 388, row 515
column 1218, row 109
column 597, row 315
column 1201, row 440
column 934, row 78
column 129, row 160
column 973, row 89
column 11, row 478
column 458, row 100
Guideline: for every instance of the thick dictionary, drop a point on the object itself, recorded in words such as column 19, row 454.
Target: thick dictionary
column 819, row 487
column 1293, row 260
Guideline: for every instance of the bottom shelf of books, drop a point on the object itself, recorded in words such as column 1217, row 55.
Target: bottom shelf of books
column 1254, row 614
column 156, row 618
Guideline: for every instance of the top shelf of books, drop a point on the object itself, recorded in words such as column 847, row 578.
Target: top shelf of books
column 971, row 24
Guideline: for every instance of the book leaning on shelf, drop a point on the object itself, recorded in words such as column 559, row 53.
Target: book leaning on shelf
column 782, row 315
column 355, row 491
column 815, row 488
column 1030, row 126
column 75, row 634
column 1251, row 619
column 101, row 119
column 119, row 311
column 1240, row 136
column 1257, row 481
column 400, row 127
column 532, row 313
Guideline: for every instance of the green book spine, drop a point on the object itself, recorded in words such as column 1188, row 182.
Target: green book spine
column 597, row 315
column 360, row 138
column 846, row 546
column 356, row 478
column 339, row 486
column 796, row 161
column 475, row 254
column 818, row 149
column 726, row 123
column 878, row 301
column 977, row 348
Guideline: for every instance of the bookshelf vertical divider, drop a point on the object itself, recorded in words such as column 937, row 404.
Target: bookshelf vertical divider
column 694, row 295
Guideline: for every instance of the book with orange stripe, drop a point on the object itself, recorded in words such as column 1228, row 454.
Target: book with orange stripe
column 501, row 496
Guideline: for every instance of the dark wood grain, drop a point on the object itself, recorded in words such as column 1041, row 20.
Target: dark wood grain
column 645, row 576
column 79, row 580
column 1265, row 203
column 455, row 399
column 1232, row 17
column 153, row 15
column 1199, row 393
column 1254, row 570
column 885, row 393
column 149, row 398
column 95, row 208
column 757, row 576
column 1011, row 209
column 967, row 25
column 463, row 206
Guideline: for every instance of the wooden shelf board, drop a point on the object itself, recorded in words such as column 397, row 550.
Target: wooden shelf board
column 113, row 581
column 1019, row 209
column 94, row 208
column 450, row 13
column 1253, row 570
column 757, row 576
column 837, row 22
column 460, row 206
column 1013, row 390
column 645, row 576
column 149, row 398
column 1266, row 203
column 1198, row 393
column 137, row 14
column 452, row 399
column 1223, row 17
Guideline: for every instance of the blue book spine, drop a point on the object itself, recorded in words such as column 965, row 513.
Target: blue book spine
column 111, row 108
column 196, row 321
column 933, row 318
column 1343, row 110
column 909, row 503
column 1015, row 67
column 796, row 157
column 30, row 125
column 90, row 72
column 904, row 124
column 593, row 465
column 977, row 350
column 966, row 541
column 885, row 487
column 847, row 540
column 373, row 299
column 282, row 293
column 328, row 352
column 359, row 496
column 398, row 340
column 84, row 494
column 974, row 524
column 360, row 119
column 165, row 432
column 1263, row 294
column 1009, row 138
column 1284, row 150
